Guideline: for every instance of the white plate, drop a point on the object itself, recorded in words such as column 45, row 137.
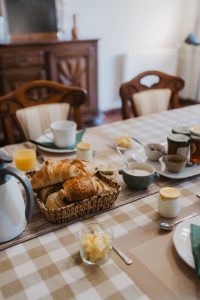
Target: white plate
column 44, row 139
column 185, row 173
column 181, row 240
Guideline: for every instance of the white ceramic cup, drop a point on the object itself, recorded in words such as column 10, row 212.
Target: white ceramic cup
column 64, row 133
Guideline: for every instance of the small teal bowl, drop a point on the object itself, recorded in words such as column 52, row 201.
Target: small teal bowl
column 139, row 176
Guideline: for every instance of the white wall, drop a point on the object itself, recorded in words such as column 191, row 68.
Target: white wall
column 126, row 26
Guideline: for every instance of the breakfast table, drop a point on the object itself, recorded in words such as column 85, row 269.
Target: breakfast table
column 45, row 263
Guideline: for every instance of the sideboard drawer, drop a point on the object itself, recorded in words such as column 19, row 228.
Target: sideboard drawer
column 17, row 60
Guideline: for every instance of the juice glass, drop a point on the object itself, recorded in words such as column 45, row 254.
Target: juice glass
column 25, row 159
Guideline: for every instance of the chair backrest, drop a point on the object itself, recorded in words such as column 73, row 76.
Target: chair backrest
column 35, row 95
column 35, row 119
column 150, row 92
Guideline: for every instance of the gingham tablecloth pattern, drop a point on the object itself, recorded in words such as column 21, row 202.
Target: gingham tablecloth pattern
column 50, row 267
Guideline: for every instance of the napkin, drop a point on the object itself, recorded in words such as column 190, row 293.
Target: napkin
column 195, row 243
column 51, row 145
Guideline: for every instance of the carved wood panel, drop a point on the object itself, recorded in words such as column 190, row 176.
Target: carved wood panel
column 12, row 79
column 72, row 71
column 68, row 62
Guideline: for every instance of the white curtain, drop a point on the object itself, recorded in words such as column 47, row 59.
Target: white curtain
column 197, row 23
column 189, row 68
column 189, row 63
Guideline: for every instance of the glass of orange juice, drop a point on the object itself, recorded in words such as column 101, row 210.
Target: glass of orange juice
column 25, row 159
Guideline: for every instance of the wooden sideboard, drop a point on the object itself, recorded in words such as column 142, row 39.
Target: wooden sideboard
column 70, row 62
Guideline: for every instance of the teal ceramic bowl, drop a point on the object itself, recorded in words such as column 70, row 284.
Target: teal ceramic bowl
column 138, row 176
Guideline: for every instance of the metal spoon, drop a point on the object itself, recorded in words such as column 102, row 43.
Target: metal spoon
column 137, row 141
column 122, row 156
column 170, row 225
column 119, row 151
column 190, row 164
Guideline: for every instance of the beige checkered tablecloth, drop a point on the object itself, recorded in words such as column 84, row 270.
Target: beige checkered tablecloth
column 50, row 267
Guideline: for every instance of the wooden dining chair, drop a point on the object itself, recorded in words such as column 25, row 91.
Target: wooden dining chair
column 150, row 92
column 34, row 105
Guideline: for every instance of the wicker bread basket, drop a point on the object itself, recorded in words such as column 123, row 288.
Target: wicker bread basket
column 84, row 207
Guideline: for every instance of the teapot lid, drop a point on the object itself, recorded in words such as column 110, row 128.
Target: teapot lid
column 4, row 158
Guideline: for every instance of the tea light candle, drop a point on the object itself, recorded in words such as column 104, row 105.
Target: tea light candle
column 84, row 151
column 169, row 202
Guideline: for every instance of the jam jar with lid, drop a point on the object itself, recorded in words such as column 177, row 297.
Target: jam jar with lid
column 195, row 144
column 178, row 144
column 181, row 130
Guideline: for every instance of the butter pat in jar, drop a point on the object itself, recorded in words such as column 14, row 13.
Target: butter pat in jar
column 95, row 243
column 84, row 151
column 169, row 202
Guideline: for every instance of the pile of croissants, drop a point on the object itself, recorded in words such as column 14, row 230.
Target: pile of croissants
column 77, row 179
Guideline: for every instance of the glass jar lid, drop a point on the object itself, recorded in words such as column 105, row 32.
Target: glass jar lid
column 178, row 138
column 169, row 193
column 84, row 146
column 181, row 130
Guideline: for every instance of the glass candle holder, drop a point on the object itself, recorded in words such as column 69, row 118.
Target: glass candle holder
column 25, row 159
column 95, row 243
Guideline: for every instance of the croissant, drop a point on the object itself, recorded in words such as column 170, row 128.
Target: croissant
column 82, row 187
column 54, row 201
column 56, row 172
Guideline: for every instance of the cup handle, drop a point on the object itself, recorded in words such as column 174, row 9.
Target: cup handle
column 156, row 176
column 162, row 160
column 48, row 130
column 121, row 172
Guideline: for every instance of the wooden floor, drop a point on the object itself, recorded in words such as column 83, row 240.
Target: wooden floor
column 112, row 116
column 115, row 114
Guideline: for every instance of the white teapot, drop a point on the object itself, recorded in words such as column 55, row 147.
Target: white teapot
column 14, row 214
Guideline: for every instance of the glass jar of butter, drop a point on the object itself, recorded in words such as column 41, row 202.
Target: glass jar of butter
column 84, row 151
column 178, row 144
column 95, row 243
column 169, row 202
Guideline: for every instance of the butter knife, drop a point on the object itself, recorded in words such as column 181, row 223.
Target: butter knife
column 39, row 156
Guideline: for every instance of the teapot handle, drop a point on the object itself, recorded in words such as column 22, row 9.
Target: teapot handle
column 27, row 186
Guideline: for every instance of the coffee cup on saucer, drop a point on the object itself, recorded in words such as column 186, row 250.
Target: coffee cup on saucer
column 64, row 133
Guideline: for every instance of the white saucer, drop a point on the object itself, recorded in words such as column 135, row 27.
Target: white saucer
column 47, row 138
column 185, row 173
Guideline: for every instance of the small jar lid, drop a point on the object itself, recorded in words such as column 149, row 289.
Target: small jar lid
column 84, row 146
column 181, row 130
column 168, row 193
column 195, row 130
column 178, row 138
